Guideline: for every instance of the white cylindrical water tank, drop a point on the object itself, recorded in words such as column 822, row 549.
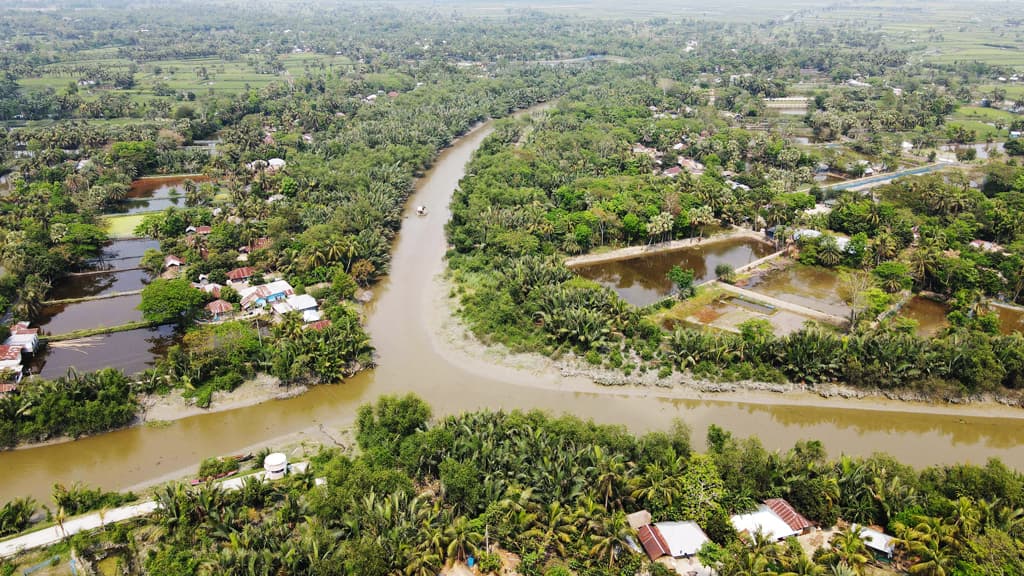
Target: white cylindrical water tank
column 276, row 465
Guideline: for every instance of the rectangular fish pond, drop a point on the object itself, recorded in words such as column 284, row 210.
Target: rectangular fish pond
column 643, row 280
column 808, row 286
column 131, row 351
column 929, row 314
column 728, row 312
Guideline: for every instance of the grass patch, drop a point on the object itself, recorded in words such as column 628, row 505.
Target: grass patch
column 984, row 114
column 98, row 331
column 123, row 226
column 706, row 294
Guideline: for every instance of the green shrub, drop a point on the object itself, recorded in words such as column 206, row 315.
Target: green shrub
column 488, row 562
column 204, row 397
column 216, row 466
column 79, row 499
column 593, row 358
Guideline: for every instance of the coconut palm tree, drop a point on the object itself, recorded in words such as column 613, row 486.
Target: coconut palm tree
column 847, row 548
column 462, row 538
column 929, row 546
column 612, row 541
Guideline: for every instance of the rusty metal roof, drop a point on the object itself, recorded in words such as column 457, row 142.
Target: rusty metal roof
column 653, row 542
column 789, row 515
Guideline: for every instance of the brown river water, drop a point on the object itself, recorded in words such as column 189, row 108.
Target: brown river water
column 411, row 360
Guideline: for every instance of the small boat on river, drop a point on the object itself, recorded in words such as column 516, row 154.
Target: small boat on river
column 421, row 210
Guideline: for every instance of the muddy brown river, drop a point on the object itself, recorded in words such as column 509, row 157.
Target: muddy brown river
column 410, row 361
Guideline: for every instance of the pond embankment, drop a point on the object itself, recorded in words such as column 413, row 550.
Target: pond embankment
column 631, row 252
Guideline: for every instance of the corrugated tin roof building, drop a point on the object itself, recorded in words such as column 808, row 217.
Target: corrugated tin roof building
column 653, row 542
column 878, row 541
column 789, row 515
column 675, row 539
column 762, row 520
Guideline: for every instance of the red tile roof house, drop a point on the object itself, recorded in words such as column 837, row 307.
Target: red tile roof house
column 240, row 275
column 319, row 325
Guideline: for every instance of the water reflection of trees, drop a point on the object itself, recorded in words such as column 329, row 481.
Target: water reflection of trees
column 650, row 273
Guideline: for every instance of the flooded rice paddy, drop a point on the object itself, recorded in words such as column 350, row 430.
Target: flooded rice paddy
column 155, row 194
column 414, row 357
column 643, row 280
column 123, row 254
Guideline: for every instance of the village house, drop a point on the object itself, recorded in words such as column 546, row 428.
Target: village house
column 878, row 542
column 211, row 288
column 692, row 166
column 23, row 336
column 172, row 261
column 219, row 309
column 653, row 153
column 986, row 246
column 241, row 275
column 10, row 361
column 673, row 171
column 303, row 303
column 675, row 539
column 319, row 325
column 260, row 296
column 776, row 519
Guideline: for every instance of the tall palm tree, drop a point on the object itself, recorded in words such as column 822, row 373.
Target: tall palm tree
column 613, row 539
column 462, row 539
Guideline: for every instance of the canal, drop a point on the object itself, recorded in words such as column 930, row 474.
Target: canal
column 414, row 356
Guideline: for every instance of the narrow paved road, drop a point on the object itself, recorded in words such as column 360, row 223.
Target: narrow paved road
column 54, row 534
column 94, row 520
column 880, row 179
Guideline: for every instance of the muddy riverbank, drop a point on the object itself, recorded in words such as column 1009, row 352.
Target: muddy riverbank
column 262, row 388
column 459, row 346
